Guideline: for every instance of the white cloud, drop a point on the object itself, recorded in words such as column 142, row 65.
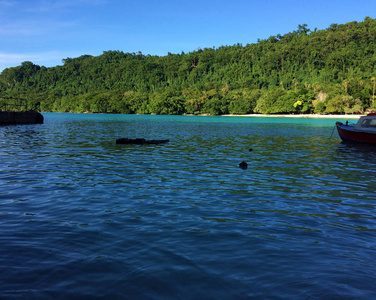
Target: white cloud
column 50, row 5
column 12, row 58
column 47, row 59
column 7, row 3
column 32, row 28
column 17, row 28
column 39, row 18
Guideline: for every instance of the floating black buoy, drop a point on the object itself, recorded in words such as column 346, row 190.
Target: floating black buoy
column 250, row 150
column 243, row 165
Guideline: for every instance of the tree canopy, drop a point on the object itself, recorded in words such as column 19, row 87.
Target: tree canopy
column 303, row 71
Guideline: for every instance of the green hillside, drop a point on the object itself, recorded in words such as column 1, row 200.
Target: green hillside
column 304, row 71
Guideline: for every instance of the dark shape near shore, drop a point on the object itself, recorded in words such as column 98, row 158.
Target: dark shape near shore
column 140, row 141
column 20, row 117
column 243, row 165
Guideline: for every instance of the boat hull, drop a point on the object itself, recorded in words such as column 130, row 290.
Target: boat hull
column 348, row 134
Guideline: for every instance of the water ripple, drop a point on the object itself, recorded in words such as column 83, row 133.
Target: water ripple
column 84, row 217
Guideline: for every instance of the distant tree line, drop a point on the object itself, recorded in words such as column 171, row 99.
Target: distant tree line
column 304, row 71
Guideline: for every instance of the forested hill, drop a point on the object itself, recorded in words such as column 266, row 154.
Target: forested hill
column 303, row 71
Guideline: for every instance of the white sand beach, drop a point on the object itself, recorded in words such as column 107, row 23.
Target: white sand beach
column 301, row 116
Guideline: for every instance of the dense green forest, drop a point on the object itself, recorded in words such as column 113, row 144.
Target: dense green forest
column 304, row 71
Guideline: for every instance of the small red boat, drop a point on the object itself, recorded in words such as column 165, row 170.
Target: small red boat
column 364, row 131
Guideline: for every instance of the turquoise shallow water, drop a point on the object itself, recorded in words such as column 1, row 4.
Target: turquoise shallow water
column 82, row 217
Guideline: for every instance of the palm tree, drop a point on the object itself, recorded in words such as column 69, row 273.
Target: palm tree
column 345, row 84
column 295, row 82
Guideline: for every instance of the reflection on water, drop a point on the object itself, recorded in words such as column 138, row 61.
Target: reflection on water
column 84, row 217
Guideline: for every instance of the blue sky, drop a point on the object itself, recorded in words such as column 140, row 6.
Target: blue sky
column 47, row 31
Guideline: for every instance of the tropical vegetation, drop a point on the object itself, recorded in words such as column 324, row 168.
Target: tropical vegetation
column 304, row 71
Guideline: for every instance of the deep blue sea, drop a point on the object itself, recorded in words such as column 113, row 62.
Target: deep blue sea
column 84, row 218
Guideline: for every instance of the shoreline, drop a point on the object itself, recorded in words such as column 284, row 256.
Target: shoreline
column 317, row 116
column 300, row 116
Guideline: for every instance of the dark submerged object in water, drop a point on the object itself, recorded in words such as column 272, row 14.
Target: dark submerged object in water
column 140, row 141
column 20, row 117
column 243, row 165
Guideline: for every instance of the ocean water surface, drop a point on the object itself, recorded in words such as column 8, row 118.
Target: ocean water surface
column 82, row 217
